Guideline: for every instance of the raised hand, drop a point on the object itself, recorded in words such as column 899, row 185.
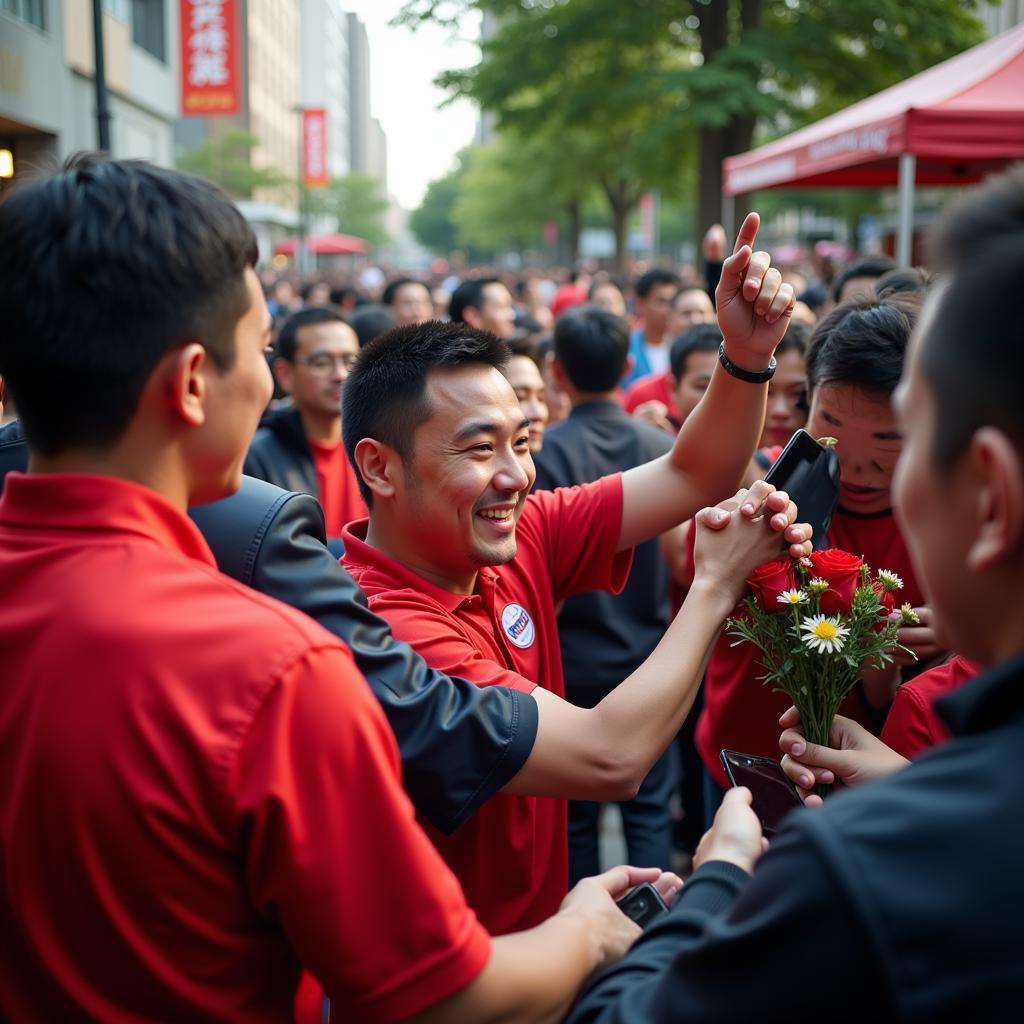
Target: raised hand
column 754, row 305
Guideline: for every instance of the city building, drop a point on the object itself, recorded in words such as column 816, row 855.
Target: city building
column 47, row 79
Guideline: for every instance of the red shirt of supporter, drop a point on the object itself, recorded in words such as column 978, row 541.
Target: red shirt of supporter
column 742, row 713
column 200, row 794
column 336, row 486
column 912, row 725
column 655, row 387
column 512, row 855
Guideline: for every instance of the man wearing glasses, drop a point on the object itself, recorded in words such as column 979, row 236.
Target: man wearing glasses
column 299, row 448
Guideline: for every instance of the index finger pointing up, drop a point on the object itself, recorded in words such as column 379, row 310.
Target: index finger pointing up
column 748, row 232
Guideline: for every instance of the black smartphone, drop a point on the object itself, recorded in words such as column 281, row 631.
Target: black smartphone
column 642, row 904
column 809, row 473
column 774, row 796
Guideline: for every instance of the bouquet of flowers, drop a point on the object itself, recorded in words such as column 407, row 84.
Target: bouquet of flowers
column 817, row 622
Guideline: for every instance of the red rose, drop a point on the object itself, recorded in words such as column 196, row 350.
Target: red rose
column 841, row 571
column 888, row 602
column 769, row 581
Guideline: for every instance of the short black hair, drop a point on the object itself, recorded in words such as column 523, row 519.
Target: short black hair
column 105, row 266
column 861, row 343
column 468, row 294
column 653, row 278
column 385, row 395
column 869, row 266
column 698, row 338
column 288, row 339
column 371, row 321
column 391, row 291
column 342, row 292
column 592, row 346
column 973, row 352
column 903, row 281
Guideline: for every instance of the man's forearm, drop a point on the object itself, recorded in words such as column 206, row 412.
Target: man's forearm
column 531, row 977
column 707, row 463
column 604, row 753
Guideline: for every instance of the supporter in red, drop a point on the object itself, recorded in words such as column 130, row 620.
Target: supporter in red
column 299, row 448
column 853, row 366
column 201, row 795
column 468, row 569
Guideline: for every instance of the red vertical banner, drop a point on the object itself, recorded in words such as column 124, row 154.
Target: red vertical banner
column 314, row 147
column 209, row 58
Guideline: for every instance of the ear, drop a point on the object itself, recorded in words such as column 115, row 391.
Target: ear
column 558, row 372
column 997, row 467
column 472, row 317
column 187, row 383
column 284, row 372
column 378, row 466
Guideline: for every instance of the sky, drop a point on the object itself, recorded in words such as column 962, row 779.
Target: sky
column 422, row 140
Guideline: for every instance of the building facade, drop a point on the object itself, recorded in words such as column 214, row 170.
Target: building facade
column 47, row 79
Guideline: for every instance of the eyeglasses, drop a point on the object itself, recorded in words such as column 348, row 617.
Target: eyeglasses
column 324, row 362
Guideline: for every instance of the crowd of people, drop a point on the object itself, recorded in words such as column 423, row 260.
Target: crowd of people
column 334, row 611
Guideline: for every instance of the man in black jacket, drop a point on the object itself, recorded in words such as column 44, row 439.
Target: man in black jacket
column 899, row 900
column 299, row 448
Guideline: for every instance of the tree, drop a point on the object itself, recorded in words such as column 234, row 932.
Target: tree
column 433, row 221
column 659, row 79
column 226, row 160
column 356, row 205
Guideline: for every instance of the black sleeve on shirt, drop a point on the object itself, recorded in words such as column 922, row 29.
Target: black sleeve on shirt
column 459, row 743
column 713, row 274
column 790, row 946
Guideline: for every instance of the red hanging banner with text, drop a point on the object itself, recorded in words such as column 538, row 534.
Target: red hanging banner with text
column 209, row 58
column 314, row 147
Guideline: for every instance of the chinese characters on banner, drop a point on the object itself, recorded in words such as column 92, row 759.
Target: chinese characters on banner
column 314, row 147
column 209, row 57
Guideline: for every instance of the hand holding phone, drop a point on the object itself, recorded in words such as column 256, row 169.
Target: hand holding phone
column 808, row 472
column 774, row 796
column 642, row 904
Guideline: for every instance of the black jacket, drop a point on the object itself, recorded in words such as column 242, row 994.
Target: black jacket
column 459, row 743
column 898, row 901
column 280, row 453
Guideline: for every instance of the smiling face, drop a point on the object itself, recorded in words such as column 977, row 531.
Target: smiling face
column 869, row 443
column 467, row 479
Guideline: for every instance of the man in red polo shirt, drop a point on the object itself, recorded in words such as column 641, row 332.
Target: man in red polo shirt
column 468, row 569
column 200, row 795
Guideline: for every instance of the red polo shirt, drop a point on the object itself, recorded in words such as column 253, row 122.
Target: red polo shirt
column 512, row 855
column 653, row 387
column 742, row 713
column 337, row 487
column 912, row 725
column 200, row 794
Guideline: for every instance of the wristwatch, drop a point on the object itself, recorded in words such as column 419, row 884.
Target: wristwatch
column 750, row 376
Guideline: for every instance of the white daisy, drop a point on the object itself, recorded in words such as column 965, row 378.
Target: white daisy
column 792, row 597
column 889, row 580
column 824, row 634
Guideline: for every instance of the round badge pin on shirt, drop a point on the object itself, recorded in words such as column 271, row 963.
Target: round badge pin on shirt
column 518, row 625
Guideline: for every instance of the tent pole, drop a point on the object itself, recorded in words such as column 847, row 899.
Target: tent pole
column 905, row 237
column 729, row 215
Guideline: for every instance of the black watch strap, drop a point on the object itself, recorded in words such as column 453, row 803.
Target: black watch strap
column 750, row 376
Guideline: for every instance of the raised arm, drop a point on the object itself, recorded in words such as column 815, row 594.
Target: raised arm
column 714, row 446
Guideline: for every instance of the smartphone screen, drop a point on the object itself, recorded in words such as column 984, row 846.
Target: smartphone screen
column 809, row 473
column 774, row 796
column 643, row 904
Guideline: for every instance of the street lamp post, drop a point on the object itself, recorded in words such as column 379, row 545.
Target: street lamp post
column 102, row 97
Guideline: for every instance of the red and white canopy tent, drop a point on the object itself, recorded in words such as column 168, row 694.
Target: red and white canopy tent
column 324, row 245
column 950, row 125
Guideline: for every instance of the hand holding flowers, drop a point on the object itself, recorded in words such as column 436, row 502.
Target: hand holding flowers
column 817, row 622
